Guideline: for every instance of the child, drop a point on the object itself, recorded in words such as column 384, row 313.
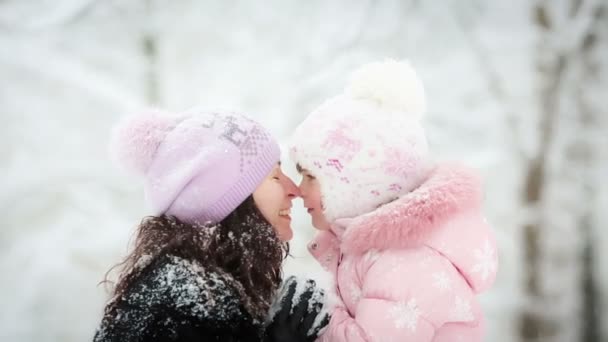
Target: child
column 404, row 238
column 207, row 265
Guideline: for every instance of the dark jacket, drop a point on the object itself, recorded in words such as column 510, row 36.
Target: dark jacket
column 178, row 300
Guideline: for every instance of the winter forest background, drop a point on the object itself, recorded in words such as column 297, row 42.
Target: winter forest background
column 515, row 88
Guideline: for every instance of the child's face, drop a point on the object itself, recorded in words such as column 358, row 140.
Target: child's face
column 311, row 194
column 273, row 198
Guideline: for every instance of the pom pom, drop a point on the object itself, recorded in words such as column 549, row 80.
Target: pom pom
column 390, row 84
column 135, row 139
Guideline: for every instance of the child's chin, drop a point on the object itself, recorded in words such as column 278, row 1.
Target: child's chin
column 318, row 226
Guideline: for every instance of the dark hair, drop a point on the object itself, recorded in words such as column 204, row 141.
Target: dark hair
column 299, row 168
column 243, row 245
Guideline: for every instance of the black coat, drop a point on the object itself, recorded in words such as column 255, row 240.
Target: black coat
column 177, row 300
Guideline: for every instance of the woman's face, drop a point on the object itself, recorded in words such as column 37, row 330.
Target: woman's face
column 273, row 198
column 310, row 192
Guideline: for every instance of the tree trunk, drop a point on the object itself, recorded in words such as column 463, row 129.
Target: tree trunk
column 149, row 48
column 590, row 118
column 558, row 241
column 534, row 324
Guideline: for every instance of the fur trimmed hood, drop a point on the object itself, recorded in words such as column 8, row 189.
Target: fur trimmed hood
column 412, row 218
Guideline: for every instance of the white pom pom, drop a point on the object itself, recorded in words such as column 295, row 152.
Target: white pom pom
column 135, row 139
column 391, row 84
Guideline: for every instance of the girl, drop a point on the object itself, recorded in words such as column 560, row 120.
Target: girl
column 206, row 266
column 404, row 238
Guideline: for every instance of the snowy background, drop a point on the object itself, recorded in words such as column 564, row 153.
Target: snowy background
column 515, row 88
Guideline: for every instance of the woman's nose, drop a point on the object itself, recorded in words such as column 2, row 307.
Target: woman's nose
column 292, row 190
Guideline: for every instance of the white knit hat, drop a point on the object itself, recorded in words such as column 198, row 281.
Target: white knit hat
column 366, row 146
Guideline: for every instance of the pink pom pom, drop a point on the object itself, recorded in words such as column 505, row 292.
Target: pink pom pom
column 135, row 139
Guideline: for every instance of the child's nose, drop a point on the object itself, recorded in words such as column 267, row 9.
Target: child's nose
column 302, row 189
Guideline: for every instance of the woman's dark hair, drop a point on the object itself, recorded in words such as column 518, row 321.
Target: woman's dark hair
column 243, row 245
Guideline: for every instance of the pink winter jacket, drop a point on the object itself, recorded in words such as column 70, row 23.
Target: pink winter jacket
column 411, row 269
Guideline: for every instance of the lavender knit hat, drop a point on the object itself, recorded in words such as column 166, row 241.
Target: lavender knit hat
column 198, row 165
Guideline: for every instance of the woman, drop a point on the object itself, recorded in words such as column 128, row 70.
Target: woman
column 207, row 265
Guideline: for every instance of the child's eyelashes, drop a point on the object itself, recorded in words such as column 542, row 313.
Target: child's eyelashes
column 310, row 177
